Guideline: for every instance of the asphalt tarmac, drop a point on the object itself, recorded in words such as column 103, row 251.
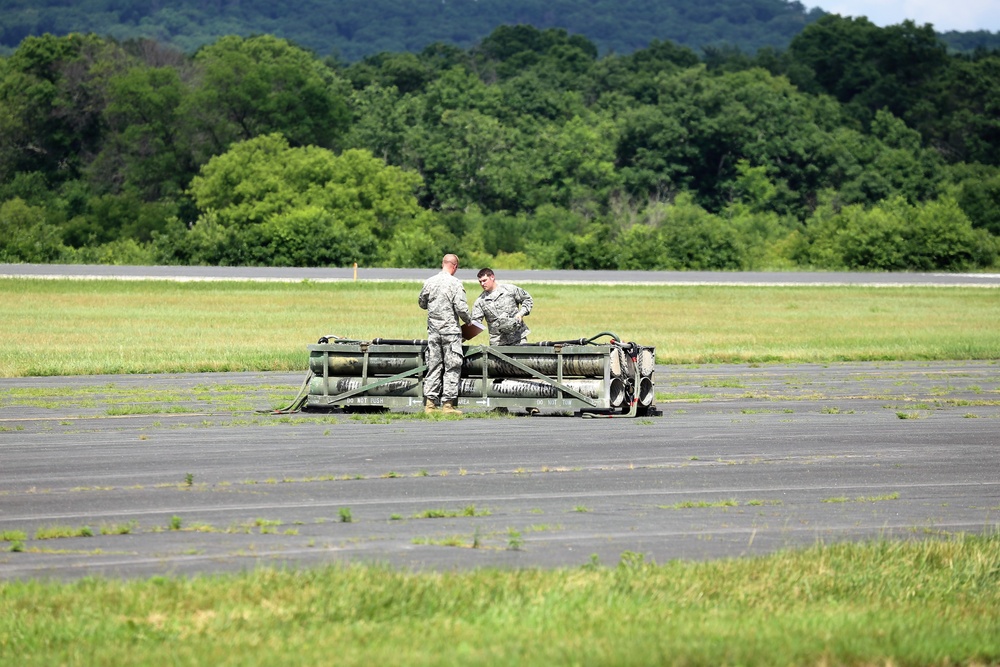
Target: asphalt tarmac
column 188, row 474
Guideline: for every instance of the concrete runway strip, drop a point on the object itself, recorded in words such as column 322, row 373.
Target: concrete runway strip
column 178, row 474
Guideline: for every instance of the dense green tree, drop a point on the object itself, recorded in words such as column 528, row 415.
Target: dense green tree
column 978, row 194
column 470, row 158
column 636, row 74
column 405, row 72
column 245, row 88
column 704, row 125
column 590, row 250
column 383, row 122
column 890, row 162
column 527, row 99
column 300, row 205
column 146, row 149
column 869, row 68
column 576, row 169
column 960, row 114
column 26, row 235
column 50, row 107
column 896, row 236
column 421, row 243
column 561, row 59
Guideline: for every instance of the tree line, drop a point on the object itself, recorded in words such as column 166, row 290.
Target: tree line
column 350, row 30
column 857, row 147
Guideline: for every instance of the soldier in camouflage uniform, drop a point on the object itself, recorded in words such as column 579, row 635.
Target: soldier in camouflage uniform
column 443, row 297
column 504, row 306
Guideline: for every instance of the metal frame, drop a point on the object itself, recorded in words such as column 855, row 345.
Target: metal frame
column 410, row 356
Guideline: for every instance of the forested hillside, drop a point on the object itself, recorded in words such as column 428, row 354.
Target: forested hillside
column 350, row 30
column 857, row 147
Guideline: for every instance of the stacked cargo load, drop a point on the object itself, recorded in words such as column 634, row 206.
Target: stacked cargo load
column 579, row 376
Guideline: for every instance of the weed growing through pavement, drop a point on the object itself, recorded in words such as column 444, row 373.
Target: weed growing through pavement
column 688, row 504
column 514, row 540
column 862, row 499
column 53, row 532
column 467, row 511
column 119, row 528
column 450, row 541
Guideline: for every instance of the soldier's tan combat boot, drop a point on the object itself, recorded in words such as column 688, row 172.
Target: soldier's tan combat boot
column 449, row 409
column 429, row 407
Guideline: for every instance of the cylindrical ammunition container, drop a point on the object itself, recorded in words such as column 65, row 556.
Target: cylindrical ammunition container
column 467, row 387
column 351, row 363
column 646, row 360
column 621, row 363
column 591, row 366
column 619, row 392
column 646, row 393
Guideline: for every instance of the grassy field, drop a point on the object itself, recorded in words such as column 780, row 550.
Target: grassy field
column 95, row 327
column 934, row 602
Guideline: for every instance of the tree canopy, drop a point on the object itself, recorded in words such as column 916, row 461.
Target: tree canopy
column 530, row 148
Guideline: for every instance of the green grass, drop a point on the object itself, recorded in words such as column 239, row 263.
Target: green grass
column 54, row 532
column 468, row 510
column 920, row 602
column 68, row 327
column 688, row 504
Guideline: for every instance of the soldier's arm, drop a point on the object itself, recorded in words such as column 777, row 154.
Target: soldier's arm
column 461, row 306
column 524, row 301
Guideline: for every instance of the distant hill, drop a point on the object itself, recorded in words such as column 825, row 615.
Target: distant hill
column 352, row 29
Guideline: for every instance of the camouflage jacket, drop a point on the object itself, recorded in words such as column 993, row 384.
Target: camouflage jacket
column 443, row 297
column 500, row 306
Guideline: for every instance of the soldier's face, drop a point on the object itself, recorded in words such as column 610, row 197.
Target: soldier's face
column 488, row 282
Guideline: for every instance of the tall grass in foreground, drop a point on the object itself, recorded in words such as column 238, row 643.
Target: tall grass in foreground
column 901, row 603
column 67, row 327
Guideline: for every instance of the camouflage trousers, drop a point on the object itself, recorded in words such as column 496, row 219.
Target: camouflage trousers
column 444, row 367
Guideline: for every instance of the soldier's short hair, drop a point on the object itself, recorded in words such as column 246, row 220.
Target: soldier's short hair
column 484, row 272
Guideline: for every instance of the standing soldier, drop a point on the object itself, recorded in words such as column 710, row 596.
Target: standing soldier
column 504, row 306
column 443, row 297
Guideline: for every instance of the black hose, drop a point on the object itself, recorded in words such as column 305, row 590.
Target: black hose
column 614, row 337
column 579, row 341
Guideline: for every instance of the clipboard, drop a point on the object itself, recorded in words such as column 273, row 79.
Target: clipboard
column 471, row 330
